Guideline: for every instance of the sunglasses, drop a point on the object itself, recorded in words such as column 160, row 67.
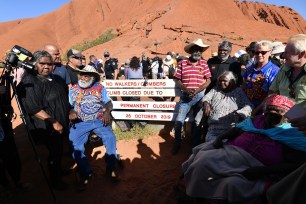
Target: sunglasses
column 261, row 52
column 76, row 57
column 291, row 91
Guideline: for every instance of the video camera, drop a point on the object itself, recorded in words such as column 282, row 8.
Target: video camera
column 18, row 56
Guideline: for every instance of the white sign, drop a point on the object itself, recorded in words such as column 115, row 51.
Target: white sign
column 155, row 116
column 144, row 92
column 144, row 105
column 156, row 83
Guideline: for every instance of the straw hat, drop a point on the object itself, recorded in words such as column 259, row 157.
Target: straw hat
column 127, row 63
column 90, row 70
column 168, row 60
column 197, row 42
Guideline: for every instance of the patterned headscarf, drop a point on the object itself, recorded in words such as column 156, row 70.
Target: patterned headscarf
column 279, row 101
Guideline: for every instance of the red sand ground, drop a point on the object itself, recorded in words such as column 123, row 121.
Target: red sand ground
column 149, row 174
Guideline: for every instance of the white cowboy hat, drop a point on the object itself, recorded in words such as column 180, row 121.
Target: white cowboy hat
column 168, row 60
column 239, row 53
column 278, row 47
column 90, row 70
column 197, row 42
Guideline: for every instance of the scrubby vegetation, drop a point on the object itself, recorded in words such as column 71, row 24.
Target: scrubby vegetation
column 86, row 44
column 136, row 132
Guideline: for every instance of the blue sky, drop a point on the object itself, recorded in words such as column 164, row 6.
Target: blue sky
column 17, row 9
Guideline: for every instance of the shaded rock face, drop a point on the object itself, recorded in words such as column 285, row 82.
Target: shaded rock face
column 282, row 16
column 153, row 27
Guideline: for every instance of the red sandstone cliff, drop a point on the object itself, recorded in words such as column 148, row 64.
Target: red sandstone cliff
column 173, row 24
column 282, row 16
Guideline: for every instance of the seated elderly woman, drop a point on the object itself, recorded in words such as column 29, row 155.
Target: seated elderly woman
column 225, row 105
column 239, row 170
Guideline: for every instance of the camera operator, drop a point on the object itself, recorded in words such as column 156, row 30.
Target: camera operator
column 45, row 99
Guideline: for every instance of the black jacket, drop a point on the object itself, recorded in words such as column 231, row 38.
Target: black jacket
column 217, row 68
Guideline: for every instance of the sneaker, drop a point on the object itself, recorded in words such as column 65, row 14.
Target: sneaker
column 176, row 147
column 84, row 180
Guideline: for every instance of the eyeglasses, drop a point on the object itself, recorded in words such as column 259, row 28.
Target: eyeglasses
column 261, row 52
column 291, row 91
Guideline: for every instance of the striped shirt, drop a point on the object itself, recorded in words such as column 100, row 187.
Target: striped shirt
column 192, row 76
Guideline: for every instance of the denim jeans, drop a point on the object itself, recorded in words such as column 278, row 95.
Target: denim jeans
column 78, row 136
column 185, row 105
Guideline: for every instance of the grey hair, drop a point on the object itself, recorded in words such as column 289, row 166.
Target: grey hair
column 230, row 76
column 299, row 42
column 267, row 43
column 39, row 54
column 226, row 44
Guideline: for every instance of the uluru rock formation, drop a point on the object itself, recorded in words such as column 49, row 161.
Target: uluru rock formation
column 172, row 24
column 282, row 16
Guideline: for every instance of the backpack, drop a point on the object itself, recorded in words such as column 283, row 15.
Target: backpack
column 155, row 66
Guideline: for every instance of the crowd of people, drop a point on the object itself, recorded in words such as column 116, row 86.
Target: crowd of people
column 243, row 141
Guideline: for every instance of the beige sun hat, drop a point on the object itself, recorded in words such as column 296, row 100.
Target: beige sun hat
column 197, row 42
column 168, row 60
column 278, row 47
column 90, row 70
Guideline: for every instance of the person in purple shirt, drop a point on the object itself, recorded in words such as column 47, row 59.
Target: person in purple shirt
column 259, row 76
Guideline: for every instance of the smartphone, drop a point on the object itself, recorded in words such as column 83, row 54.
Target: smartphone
column 296, row 111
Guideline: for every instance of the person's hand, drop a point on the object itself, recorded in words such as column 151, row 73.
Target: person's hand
column 73, row 115
column 237, row 117
column 254, row 173
column 206, row 108
column 58, row 127
column 106, row 118
column 189, row 92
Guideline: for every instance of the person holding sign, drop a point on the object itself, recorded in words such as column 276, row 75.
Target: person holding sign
column 193, row 76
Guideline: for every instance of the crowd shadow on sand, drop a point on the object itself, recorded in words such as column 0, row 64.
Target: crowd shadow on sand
column 147, row 178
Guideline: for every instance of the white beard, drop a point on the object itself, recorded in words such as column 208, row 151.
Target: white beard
column 86, row 84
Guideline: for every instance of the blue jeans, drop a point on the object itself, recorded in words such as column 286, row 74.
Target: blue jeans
column 185, row 105
column 78, row 136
